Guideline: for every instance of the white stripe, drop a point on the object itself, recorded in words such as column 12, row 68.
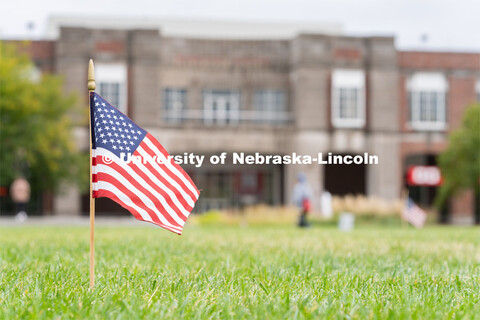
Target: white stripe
column 148, row 203
column 172, row 167
column 167, row 190
column 188, row 199
column 134, row 175
column 124, row 198
column 104, row 185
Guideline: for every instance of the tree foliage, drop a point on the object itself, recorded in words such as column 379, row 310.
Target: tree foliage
column 35, row 127
column 460, row 162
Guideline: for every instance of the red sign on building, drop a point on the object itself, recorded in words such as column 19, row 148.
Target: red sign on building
column 429, row 176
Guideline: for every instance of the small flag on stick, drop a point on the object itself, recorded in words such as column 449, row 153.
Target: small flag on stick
column 413, row 214
column 132, row 168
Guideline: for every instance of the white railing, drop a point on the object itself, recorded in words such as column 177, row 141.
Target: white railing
column 231, row 117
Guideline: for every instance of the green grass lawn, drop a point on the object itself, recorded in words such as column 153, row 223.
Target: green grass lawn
column 232, row 272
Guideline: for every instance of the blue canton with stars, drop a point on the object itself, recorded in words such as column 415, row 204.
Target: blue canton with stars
column 111, row 129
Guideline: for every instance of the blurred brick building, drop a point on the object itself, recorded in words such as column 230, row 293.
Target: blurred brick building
column 304, row 92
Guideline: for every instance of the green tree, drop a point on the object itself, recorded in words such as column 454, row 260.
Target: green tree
column 460, row 162
column 35, row 126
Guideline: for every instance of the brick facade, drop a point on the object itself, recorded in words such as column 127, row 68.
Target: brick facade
column 302, row 67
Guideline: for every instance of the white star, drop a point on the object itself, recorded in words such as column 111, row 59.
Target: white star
column 107, row 128
column 129, row 137
column 124, row 141
column 131, row 143
column 122, row 135
column 102, row 135
column 128, row 148
column 115, row 117
column 115, row 134
column 114, row 147
column 112, row 111
column 132, row 131
column 102, row 115
column 130, row 125
column 95, row 98
column 111, row 122
column 117, row 123
column 97, row 104
column 109, row 116
column 109, row 134
column 139, row 132
column 121, row 148
column 118, row 141
column 100, row 129
column 104, row 141
column 135, row 138
column 104, row 121
column 103, row 104
column 124, row 124
column 120, row 129
column 114, row 129
column 112, row 141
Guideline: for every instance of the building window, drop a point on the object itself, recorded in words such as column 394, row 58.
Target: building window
column 174, row 105
column 427, row 100
column 348, row 98
column 111, row 81
column 270, row 106
column 221, row 106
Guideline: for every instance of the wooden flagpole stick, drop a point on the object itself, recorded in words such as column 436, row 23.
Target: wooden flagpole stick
column 91, row 88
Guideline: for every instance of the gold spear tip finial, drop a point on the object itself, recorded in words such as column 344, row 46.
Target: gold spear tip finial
column 91, row 76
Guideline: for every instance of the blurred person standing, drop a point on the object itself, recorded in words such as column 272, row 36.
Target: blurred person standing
column 302, row 198
column 20, row 193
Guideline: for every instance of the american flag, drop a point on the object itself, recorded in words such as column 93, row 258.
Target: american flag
column 413, row 214
column 151, row 186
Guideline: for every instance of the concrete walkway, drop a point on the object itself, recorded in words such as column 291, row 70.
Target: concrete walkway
column 9, row 221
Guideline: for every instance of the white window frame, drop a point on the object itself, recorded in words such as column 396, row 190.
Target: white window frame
column 176, row 114
column 113, row 73
column 221, row 97
column 348, row 79
column 427, row 83
column 269, row 105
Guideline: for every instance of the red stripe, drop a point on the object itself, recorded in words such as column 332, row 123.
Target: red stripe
column 94, row 177
column 133, row 197
column 165, row 195
column 136, row 199
column 163, row 211
column 169, row 172
column 113, row 196
column 118, row 168
column 165, row 153
column 164, row 181
column 137, row 215
column 94, row 161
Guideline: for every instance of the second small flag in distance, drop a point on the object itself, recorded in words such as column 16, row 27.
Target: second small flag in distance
column 160, row 192
column 413, row 214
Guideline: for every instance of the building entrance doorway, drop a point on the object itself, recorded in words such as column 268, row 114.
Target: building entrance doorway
column 343, row 179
